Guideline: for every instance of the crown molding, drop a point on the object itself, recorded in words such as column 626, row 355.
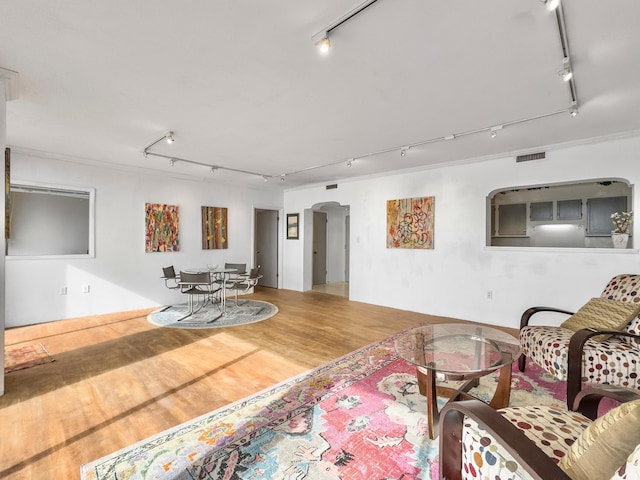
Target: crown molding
column 11, row 86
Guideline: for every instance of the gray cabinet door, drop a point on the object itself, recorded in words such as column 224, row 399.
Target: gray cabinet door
column 599, row 211
column 512, row 219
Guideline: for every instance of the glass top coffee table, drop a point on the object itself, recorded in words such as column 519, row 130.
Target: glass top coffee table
column 462, row 353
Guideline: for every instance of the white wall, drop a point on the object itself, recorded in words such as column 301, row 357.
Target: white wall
column 454, row 278
column 3, row 144
column 122, row 276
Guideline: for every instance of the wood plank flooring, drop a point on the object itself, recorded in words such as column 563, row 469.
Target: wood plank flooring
column 117, row 379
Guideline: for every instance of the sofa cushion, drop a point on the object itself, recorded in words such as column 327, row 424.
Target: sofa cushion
column 602, row 313
column 553, row 430
column 605, row 445
column 612, row 361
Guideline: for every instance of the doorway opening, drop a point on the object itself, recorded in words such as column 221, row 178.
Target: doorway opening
column 267, row 247
column 330, row 246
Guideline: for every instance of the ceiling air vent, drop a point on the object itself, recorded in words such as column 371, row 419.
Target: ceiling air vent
column 529, row 157
column 331, row 187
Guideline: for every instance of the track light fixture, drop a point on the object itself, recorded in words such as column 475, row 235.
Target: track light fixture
column 321, row 39
column 573, row 111
column 566, row 72
column 168, row 136
column 552, row 4
column 324, row 45
column 403, row 151
column 494, row 130
column 349, row 162
column 282, row 178
column 212, row 168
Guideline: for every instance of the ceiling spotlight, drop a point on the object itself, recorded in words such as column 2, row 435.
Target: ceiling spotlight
column 172, row 161
column 322, row 42
column 169, row 137
column 494, row 134
column 213, row 170
column 145, row 154
column 573, row 111
column 494, row 130
column 282, row 178
column 566, row 74
column 265, row 178
column 325, row 45
column 552, row 4
column 403, row 151
column 349, row 162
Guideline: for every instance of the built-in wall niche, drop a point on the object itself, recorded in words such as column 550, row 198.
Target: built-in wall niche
column 50, row 220
column 572, row 215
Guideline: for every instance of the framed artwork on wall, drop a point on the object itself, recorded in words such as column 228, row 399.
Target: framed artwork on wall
column 292, row 226
column 161, row 228
column 410, row 223
column 214, row 228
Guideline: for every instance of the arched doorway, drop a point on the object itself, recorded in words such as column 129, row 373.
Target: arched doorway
column 330, row 248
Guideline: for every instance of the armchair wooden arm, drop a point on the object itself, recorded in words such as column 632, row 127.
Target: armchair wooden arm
column 574, row 361
column 524, row 321
column 523, row 450
column 587, row 401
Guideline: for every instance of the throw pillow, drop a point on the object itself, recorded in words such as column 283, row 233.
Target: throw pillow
column 602, row 313
column 605, row 445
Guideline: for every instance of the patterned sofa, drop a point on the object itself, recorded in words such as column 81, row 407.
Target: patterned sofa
column 542, row 442
column 583, row 355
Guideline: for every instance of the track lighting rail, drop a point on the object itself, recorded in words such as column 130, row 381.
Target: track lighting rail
column 322, row 39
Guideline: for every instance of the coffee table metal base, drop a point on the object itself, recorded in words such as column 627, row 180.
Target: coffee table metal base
column 428, row 388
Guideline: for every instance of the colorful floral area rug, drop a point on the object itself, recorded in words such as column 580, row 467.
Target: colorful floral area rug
column 358, row 417
column 19, row 358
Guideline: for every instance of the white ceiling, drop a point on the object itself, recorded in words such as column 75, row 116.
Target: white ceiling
column 242, row 85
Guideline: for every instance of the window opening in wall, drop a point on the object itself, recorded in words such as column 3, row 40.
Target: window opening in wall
column 50, row 220
column 572, row 214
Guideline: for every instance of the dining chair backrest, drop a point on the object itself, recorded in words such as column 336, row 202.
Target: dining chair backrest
column 169, row 272
column 200, row 278
column 240, row 268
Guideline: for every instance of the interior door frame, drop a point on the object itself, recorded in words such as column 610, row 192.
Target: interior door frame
column 319, row 246
column 281, row 231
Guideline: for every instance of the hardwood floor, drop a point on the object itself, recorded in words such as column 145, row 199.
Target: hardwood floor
column 117, row 379
column 339, row 288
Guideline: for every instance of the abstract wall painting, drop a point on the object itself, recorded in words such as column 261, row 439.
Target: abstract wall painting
column 214, row 228
column 161, row 228
column 410, row 223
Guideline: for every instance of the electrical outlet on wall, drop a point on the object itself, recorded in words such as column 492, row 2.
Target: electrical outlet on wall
column 489, row 294
column 63, row 290
column 86, row 288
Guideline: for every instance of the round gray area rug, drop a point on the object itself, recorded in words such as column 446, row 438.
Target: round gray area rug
column 247, row 311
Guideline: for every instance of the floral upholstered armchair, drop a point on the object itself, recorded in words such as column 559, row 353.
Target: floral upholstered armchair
column 543, row 442
column 577, row 351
